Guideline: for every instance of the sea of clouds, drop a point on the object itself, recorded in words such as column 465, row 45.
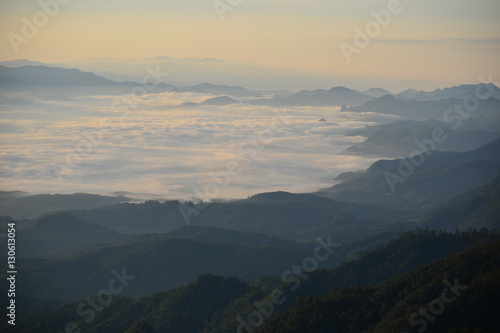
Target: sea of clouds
column 163, row 149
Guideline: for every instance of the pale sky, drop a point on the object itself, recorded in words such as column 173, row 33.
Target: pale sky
column 433, row 41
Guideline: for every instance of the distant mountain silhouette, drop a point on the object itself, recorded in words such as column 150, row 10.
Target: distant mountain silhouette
column 462, row 91
column 215, row 89
column 43, row 75
column 398, row 138
column 24, row 62
column 336, row 96
column 47, row 79
column 440, row 177
column 191, row 71
column 423, row 110
column 376, row 92
column 221, row 100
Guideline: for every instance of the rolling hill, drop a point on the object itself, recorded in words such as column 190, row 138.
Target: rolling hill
column 397, row 139
column 440, row 177
column 422, row 110
column 462, row 91
column 377, row 292
column 336, row 96
column 158, row 265
column 458, row 293
column 210, row 234
column 480, row 208
column 62, row 231
column 300, row 221
column 22, row 205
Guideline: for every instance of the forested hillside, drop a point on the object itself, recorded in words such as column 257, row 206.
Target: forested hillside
column 378, row 292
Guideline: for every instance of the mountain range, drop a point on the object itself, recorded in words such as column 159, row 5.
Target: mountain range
column 19, row 76
column 420, row 181
column 379, row 291
column 415, row 232
column 397, row 139
column 424, row 110
column 184, row 72
column 478, row 208
column 23, row 205
column 463, row 91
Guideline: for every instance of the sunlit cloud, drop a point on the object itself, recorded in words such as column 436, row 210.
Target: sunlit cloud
column 172, row 151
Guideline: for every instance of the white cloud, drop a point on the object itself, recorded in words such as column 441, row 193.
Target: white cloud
column 170, row 151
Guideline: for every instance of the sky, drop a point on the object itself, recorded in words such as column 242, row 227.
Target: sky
column 427, row 43
column 157, row 149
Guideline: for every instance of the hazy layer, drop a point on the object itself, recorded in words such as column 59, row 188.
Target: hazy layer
column 172, row 151
column 434, row 43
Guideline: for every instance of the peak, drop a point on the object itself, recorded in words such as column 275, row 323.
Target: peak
column 387, row 98
column 272, row 195
column 220, row 100
column 341, row 89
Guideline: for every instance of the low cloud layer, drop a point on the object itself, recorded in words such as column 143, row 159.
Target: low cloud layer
column 161, row 148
